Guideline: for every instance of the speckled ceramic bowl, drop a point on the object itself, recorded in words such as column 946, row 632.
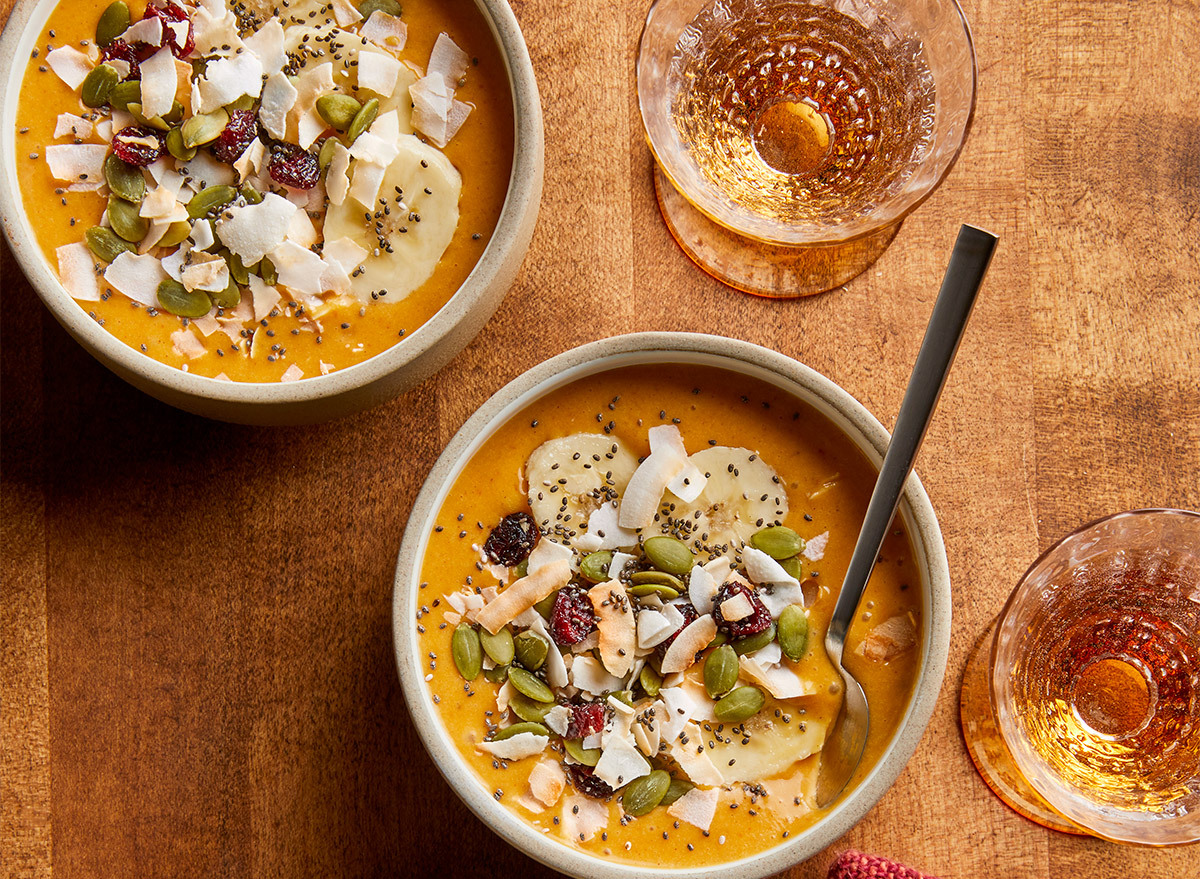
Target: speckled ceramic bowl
column 859, row 426
column 414, row 359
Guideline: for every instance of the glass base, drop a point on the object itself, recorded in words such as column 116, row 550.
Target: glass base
column 987, row 748
column 770, row 270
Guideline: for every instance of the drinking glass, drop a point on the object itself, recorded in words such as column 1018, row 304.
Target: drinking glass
column 1081, row 704
column 792, row 137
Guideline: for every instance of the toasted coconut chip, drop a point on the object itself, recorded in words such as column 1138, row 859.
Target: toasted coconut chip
column 697, row 807
column 70, row 65
column 524, row 594
column 378, row 146
column 251, row 161
column 642, row 496
column 292, row 374
column 519, row 747
column 772, row 654
column 77, row 271
column 557, row 719
column 548, row 551
column 173, row 263
column 646, row 735
column 148, row 30
column 556, row 664
column 214, row 28
column 159, row 82
column 702, row 586
column 589, row 675
column 207, row 325
column 618, row 706
column 377, row 71
column 780, row 681
column 603, row 532
column 617, row 627
column 256, row 230
column 309, row 127
column 227, row 79
column 83, row 161
column 299, row 268
column 504, row 696
column 70, row 125
column 448, row 60
column 696, row 765
column 547, row 782
column 337, row 181
column 122, row 67
column 682, row 652
column 345, row 14
column 736, row 607
column 674, row 616
column 302, row 231
column 620, row 763
column 202, row 171
column 888, row 639
column 164, row 175
column 653, row 628
column 206, row 272
column 202, row 235
column 814, row 549
column 385, row 30
column 677, row 711
column 436, row 113
column 364, row 187
column 160, row 204
column 104, row 130
column 764, row 570
column 137, row 277
column 689, row 484
column 278, row 98
column 267, row 45
column 186, row 344
column 582, row 817
column 310, row 85
column 346, row 253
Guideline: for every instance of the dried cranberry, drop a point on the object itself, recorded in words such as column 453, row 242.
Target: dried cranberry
column 239, row 132
column 586, row 719
column 586, row 782
column 120, row 50
column 572, row 617
column 690, row 615
column 758, row 620
column 512, row 540
column 171, row 14
column 126, row 144
column 294, row 167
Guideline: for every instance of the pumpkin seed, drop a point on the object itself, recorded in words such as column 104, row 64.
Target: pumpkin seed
column 175, row 233
column 98, row 85
column 497, row 674
column 546, row 606
column 391, row 7
column 641, row 590
column 176, row 148
column 530, row 685
column 754, row 642
column 778, row 541
column 517, row 728
column 719, row 639
column 650, row 680
column 209, row 199
column 498, row 646
column 526, row 709
column 657, row 578
column 124, row 180
column 530, row 650
column 204, row 128
column 677, row 788
column 177, row 299
column 124, row 219
column 464, row 648
column 594, row 566
column 338, row 110
column 245, row 102
column 793, row 632
column 363, row 119
column 740, row 704
column 643, row 794
column 173, row 116
column 125, row 93
column 248, row 192
column 586, row 756
column 325, row 156
column 625, row 696
column 153, row 122
column 266, row 271
column 229, row 297
column 669, row 554
column 113, row 22
column 793, row 567
column 720, row 671
column 105, row 243
column 237, row 269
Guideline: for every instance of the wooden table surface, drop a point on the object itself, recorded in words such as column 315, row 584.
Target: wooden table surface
column 197, row 674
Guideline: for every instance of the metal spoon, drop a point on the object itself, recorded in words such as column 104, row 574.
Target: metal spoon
column 969, row 261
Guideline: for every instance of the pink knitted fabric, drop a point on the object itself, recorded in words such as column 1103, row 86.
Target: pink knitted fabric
column 856, row 865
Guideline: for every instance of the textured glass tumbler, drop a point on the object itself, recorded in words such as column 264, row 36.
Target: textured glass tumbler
column 1093, row 679
column 792, row 137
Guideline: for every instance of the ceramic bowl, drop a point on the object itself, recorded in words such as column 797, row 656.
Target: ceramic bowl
column 859, row 426
column 373, row 381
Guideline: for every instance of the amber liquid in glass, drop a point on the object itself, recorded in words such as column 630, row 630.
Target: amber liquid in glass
column 1108, row 683
column 797, row 112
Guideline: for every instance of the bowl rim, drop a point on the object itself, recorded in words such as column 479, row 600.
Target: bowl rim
column 521, row 201
column 828, row 398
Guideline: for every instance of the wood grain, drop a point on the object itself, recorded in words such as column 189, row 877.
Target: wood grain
column 197, row 674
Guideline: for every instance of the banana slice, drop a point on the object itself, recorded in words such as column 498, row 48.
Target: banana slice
column 406, row 241
column 772, row 746
column 569, row 477
column 742, row 494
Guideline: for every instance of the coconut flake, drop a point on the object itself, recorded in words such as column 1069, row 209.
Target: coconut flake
column 689, row 483
column 557, row 720
column 435, row 111
column 620, row 763
column 252, row 160
column 345, row 14
column 202, row 171
column 582, row 817
column 617, row 626
column 736, row 607
column 255, row 230
column 694, row 638
column 207, row 272
column 298, row 267
column 696, row 765
column 148, row 30
column 366, row 182
column 348, row 254
column 546, row 552
column 70, row 65
column 337, row 182
column 814, row 549
column 227, row 79
column 137, row 277
column 380, row 144
column 556, row 664
column 590, row 676
column 697, row 807
column 448, row 61
column 604, row 532
column 667, row 459
column 310, row 85
column 77, row 271
column 278, row 98
column 186, row 344
column 887, row 640
column 702, row 586
column 302, row 231
column 519, row 747
column 202, row 235
column 77, row 161
column 781, row 682
column 160, row 204
column 386, row 31
column 653, row 628
column 213, row 28
column 523, row 594
column 547, row 782
column 267, row 45
column 70, row 125
column 377, row 72
column 292, row 374
column 159, row 82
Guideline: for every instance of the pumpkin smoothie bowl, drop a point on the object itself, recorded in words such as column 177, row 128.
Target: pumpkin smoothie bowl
column 611, row 601
column 270, row 210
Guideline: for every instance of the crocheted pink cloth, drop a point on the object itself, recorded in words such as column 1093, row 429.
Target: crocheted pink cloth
column 856, row 865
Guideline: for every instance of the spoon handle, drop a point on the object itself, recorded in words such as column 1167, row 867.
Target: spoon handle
column 968, row 263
